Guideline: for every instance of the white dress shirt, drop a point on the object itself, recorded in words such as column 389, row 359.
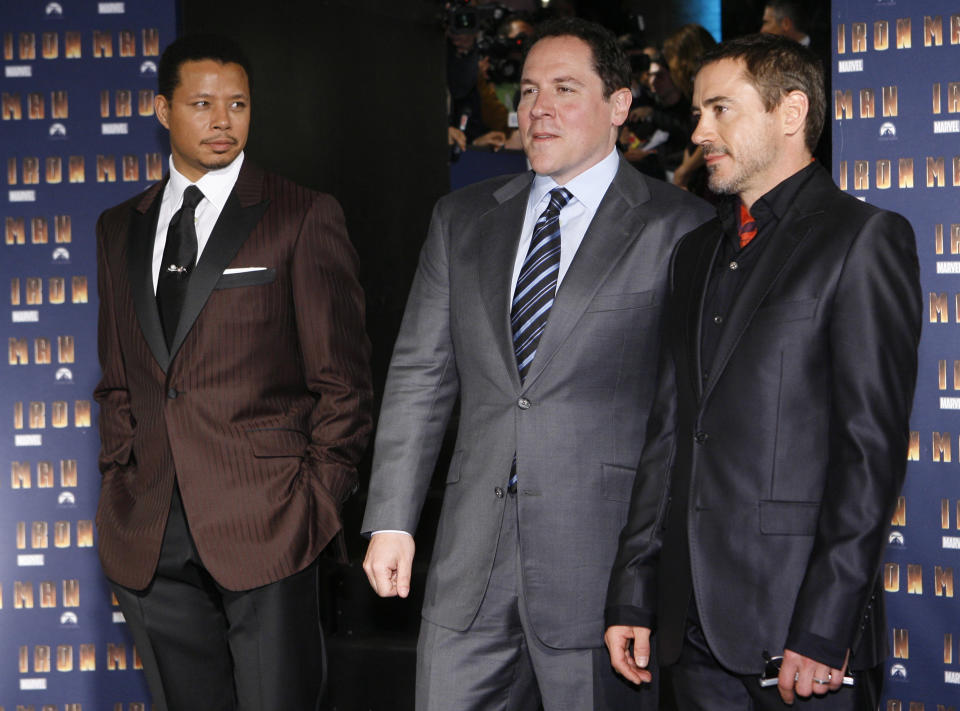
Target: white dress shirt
column 216, row 186
column 588, row 190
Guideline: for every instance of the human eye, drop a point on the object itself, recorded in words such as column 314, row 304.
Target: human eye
column 527, row 91
column 238, row 105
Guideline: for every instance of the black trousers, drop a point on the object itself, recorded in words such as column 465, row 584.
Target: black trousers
column 699, row 683
column 205, row 648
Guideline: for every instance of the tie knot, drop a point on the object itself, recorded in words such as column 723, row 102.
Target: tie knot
column 559, row 197
column 192, row 197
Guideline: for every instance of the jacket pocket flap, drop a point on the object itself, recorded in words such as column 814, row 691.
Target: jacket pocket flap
column 277, row 442
column 617, row 481
column 789, row 518
column 787, row 311
column 615, row 302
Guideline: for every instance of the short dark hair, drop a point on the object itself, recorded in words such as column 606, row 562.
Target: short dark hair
column 192, row 48
column 794, row 9
column 776, row 66
column 609, row 60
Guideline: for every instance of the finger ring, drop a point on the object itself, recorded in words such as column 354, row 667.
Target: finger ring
column 823, row 681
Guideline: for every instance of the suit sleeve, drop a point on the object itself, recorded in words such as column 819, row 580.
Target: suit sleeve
column 329, row 306
column 111, row 393
column 421, row 389
column 874, row 332
column 632, row 591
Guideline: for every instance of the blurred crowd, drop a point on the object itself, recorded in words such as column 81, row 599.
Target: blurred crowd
column 485, row 45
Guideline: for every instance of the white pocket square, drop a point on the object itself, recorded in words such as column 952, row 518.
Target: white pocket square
column 242, row 270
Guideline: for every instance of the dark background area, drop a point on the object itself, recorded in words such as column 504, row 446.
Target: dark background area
column 349, row 97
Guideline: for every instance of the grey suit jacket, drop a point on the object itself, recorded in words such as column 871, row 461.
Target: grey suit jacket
column 576, row 424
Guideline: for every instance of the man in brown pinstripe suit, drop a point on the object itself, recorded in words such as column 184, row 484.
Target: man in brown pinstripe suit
column 234, row 403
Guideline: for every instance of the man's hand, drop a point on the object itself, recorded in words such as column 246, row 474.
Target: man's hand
column 388, row 563
column 802, row 676
column 632, row 666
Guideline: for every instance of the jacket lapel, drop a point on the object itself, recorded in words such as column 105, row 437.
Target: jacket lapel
column 792, row 229
column 690, row 272
column 237, row 219
column 616, row 225
column 499, row 235
column 143, row 228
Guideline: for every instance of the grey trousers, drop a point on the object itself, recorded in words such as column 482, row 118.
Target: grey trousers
column 499, row 663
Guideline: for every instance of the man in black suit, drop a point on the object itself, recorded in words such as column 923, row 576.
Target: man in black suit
column 777, row 443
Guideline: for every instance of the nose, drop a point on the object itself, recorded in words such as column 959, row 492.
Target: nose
column 703, row 132
column 542, row 105
column 220, row 116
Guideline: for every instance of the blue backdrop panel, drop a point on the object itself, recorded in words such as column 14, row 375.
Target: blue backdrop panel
column 77, row 134
column 896, row 143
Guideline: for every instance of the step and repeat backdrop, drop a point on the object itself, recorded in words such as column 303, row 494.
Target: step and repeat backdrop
column 77, row 134
column 896, row 143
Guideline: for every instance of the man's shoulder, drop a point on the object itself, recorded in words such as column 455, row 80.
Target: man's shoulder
column 487, row 192
column 141, row 201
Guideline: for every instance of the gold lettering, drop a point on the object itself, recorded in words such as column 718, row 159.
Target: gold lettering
column 81, row 413
column 41, row 658
column 10, row 107
column 72, row 45
column 900, row 512
column 936, row 98
column 77, row 170
column 947, row 648
column 881, row 35
column 44, row 475
column 60, row 108
column 20, row 475
column 128, row 43
column 932, row 31
column 904, row 29
column 65, row 349
column 145, row 99
column 68, row 473
column 22, row 596
column 85, row 534
column 906, row 172
column 913, row 452
column 71, row 593
column 48, row 594
column 936, row 172
column 88, row 658
column 843, row 104
column 943, row 581
column 116, row 656
column 941, row 447
column 57, row 290
column 891, row 577
column 62, row 228
column 19, row 353
column 78, row 290
column 49, row 45
column 858, row 37
column 65, row 658
column 38, row 535
column 60, row 415
column 889, row 99
column 901, row 643
column 841, row 39
column 861, row 175
column 102, row 44
column 28, row 46
column 31, row 170
column 914, row 580
column 883, row 174
column 15, row 230
column 61, row 534
column 35, row 106
column 106, row 169
column 37, row 416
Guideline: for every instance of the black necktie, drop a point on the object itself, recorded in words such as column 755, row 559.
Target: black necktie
column 179, row 257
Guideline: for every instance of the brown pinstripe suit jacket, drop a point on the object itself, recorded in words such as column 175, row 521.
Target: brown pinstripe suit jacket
column 261, row 408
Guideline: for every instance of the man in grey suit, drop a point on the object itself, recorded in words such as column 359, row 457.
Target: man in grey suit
column 551, row 345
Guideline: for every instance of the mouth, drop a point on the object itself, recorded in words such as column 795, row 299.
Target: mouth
column 712, row 155
column 221, row 143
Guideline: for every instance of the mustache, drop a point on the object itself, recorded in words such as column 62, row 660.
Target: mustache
column 711, row 150
column 220, row 139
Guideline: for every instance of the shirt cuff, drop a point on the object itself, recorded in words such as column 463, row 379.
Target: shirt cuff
column 388, row 530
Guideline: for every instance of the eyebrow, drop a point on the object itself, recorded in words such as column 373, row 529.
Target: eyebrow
column 556, row 80
column 716, row 100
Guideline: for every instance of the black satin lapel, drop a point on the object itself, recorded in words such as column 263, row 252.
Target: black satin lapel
column 784, row 240
column 614, row 228
column 143, row 229
column 232, row 229
column 499, row 235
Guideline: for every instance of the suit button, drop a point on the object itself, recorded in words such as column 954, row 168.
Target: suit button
column 523, row 403
column 701, row 437
column 172, row 393
column 499, row 492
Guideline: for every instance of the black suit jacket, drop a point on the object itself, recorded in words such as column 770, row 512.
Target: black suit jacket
column 781, row 470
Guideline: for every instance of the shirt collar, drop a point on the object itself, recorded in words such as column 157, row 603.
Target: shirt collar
column 216, row 185
column 588, row 187
column 770, row 207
